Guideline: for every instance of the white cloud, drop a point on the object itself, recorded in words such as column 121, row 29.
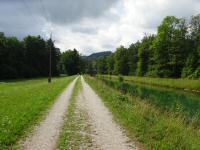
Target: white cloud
column 94, row 25
column 134, row 18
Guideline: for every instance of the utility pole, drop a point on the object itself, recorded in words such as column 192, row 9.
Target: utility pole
column 49, row 80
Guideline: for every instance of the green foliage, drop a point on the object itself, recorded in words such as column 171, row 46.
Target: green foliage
column 169, row 48
column 173, row 52
column 11, row 57
column 133, row 58
column 110, row 64
column 121, row 61
column 192, row 66
column 23, row 104
column 27, row 58
column 144, row 55
column 71, row 62
column 102, row 65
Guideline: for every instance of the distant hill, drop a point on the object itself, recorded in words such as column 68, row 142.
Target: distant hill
column 98, row 55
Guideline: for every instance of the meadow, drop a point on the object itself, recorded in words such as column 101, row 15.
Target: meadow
column 148, row 116
column 23, row 104
column 181, row 83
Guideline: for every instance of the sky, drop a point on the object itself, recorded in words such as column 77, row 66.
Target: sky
column 90, row 25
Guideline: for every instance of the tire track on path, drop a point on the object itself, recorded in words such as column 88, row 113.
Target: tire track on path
column 106, row 134
column 46, row 134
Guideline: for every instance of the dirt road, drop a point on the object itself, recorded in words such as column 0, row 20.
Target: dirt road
column 106, row 134
column 46, row 134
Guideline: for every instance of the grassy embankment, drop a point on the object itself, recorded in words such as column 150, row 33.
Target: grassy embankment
column 185, row 84
column 180, row 103
column 75, row 131
column 23, row 104
column 155, row 128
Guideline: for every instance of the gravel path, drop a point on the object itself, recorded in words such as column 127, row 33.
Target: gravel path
column 106, row 134
column 46, row 134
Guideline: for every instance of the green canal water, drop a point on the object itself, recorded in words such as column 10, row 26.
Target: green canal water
column 179, row 102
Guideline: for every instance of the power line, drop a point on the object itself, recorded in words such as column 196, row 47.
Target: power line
column 44, row 9
column 29, row 10
column 46, row 14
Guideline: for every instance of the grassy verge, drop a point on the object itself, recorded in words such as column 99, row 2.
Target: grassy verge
column 185, row 84
column 23, row 104
column 152, row 127
column 75, row 131
column 184, row 104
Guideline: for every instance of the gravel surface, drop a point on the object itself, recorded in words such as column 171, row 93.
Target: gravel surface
column 106, row 134
column 46, row 134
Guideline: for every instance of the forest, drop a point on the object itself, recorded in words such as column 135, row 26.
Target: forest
column 28, row 58
column 174, row 52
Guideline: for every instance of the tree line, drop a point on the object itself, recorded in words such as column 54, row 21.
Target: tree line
column 173, row 52
column 27, row 58
column 30, row 58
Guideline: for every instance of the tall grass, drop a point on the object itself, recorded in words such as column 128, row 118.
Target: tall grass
column 186, row 84
column 23, row 103
column 155, row 128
